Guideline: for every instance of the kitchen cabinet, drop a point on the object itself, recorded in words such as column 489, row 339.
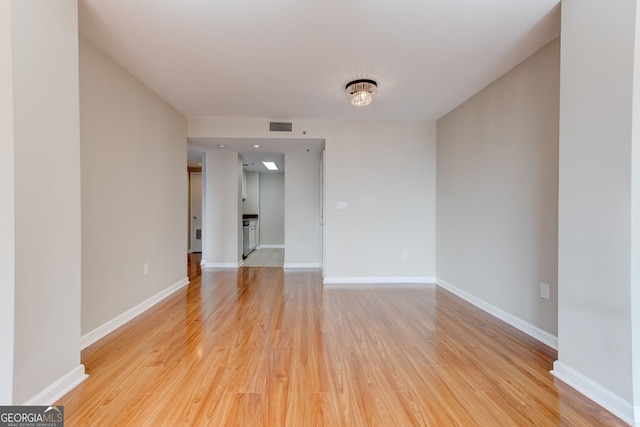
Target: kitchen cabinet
column 244, row 186
column 253, row 234
column 250, row 236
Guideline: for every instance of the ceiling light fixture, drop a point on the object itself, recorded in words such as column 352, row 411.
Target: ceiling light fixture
column 270, row 165
column 361, row 92
column 256, row 146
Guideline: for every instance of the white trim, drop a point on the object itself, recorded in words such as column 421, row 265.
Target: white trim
column 59, row 388
column 203, row 262
column 637, row 416
column 270, row 246
column 101, row 331
column 380, row 286
column 381, row 280
column 293, row 265
column 526, row 327
column 222, row 265
column 594, row 391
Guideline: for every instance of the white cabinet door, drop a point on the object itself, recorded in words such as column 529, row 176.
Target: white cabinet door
column 252, row 235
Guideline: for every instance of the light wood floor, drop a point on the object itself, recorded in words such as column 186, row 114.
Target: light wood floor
column 268, row 347
column 265, row 257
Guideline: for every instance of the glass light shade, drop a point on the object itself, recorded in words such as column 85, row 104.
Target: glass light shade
column 360, row 99
column 361, row 92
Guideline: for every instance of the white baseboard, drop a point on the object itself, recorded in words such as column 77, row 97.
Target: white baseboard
column 594, row 391
column 270, row 246
column 113, row 324
column 59, row 388
column 221, row 265
column 526, row 327
column 379, row 280
column 380, row 286
column 293, row 265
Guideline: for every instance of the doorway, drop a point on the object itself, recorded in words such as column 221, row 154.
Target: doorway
column 263, row 211
column 195, row 210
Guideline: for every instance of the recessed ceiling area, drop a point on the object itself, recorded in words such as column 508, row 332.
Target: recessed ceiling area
column 270, row 149
column 286, row 59
column 253, row 162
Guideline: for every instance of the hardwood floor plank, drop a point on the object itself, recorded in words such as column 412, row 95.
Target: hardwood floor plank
column 277, row 396
column 267, row 347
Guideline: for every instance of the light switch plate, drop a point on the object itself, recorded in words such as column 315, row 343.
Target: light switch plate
column 544, row 290
column 343, row 205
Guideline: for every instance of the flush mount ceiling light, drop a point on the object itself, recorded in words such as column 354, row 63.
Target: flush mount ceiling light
column 270, row 165
column 361, row 92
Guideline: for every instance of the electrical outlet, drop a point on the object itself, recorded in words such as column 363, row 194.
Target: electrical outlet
column 404, row 253
column 146, row 268
column 544, row 290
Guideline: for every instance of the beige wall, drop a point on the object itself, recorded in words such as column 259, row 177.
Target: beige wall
column 7, row 209
column 385, row 172
column 272, row 208
column 596, row 196
column 635, row 226
column 46, row 204
column 301, row 210
column 221, row 224
column 134, row 190
column 497, row 192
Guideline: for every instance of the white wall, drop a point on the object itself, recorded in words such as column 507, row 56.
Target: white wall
column 134, row 190
column 7, row 208
column 497, row 192
column 222, row 228
column 272, row 209
column 596, row 118
column 302, row 210
column 46, row 170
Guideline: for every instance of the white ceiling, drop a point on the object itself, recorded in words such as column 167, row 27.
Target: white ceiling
column 271, row 149
column 288, row 59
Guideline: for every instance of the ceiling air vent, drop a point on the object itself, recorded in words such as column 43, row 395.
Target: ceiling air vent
column 280, row 126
